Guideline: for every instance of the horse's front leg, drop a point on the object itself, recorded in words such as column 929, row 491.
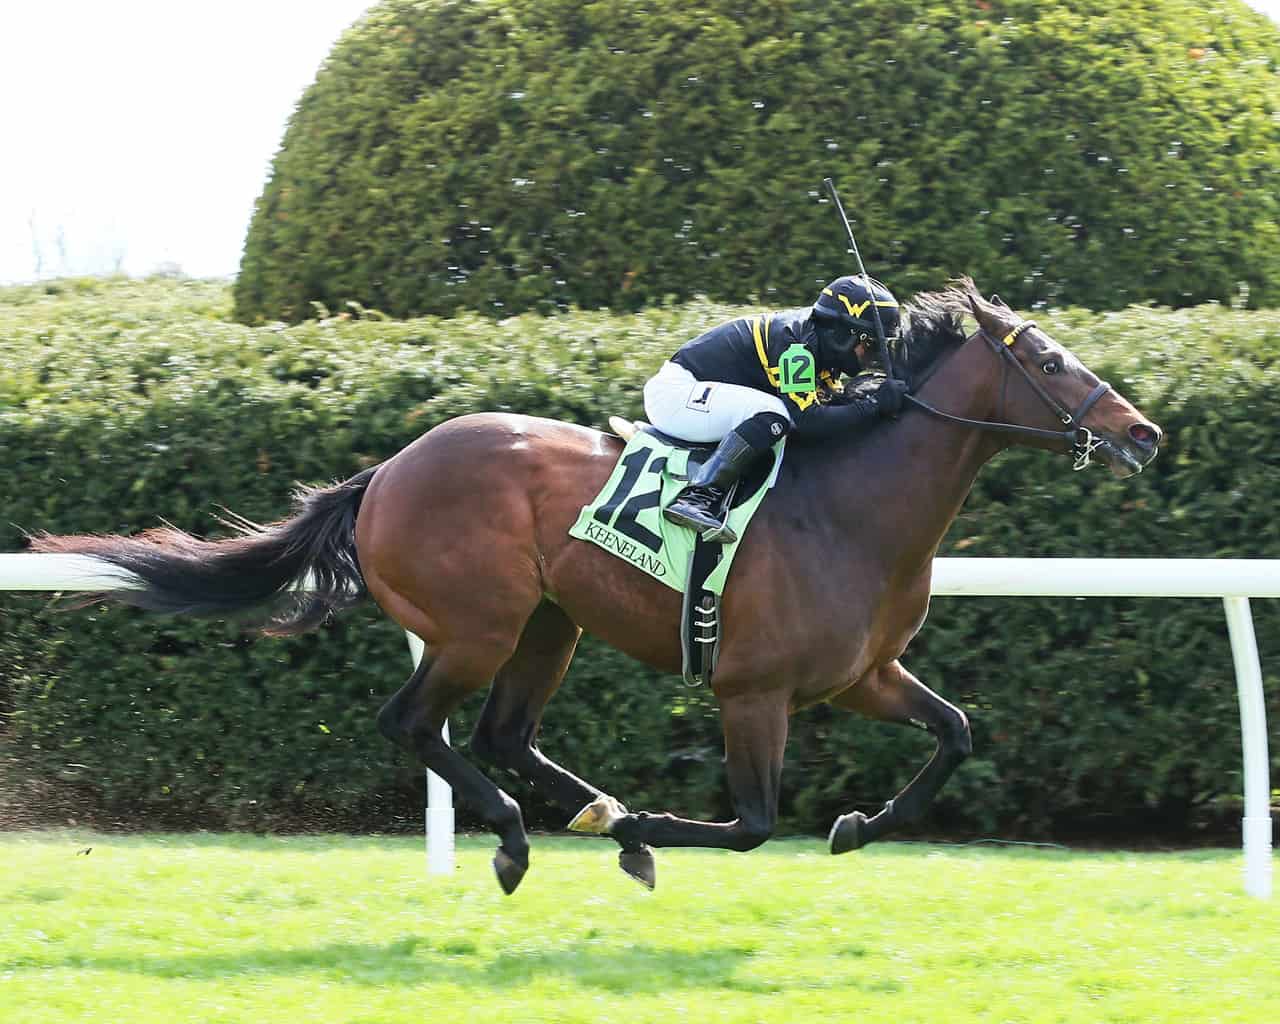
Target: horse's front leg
column 755, row 735
column 892, row 694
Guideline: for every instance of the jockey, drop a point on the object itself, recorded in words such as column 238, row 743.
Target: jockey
column 751, row 381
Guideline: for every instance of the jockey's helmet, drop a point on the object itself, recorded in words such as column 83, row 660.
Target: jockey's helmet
column 847, row 301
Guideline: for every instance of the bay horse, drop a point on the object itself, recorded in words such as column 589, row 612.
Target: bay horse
column 462, row 538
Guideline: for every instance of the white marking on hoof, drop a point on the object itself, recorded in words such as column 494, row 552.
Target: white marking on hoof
column 831, row 836
column 848, row 833
column 599, row 816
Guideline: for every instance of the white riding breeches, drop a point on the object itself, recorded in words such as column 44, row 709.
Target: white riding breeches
column 679, row 404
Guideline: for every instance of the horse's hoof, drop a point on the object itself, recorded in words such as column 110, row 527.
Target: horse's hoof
column 640, row 865
column 508, row 870
column 599, row 816
column 848, row 833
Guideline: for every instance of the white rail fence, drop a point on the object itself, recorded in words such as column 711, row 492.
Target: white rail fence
column 1234, row 581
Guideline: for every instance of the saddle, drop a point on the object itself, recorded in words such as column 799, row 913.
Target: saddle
column 699, row 452
column 700, row 610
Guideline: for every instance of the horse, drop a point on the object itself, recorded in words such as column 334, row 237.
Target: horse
column 828, row 587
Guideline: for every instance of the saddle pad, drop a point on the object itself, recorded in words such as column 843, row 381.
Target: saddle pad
column 626, row 517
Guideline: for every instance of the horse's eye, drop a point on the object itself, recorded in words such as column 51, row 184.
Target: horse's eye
column 1052, row 366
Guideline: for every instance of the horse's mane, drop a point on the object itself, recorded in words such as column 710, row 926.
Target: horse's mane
column 933, row 325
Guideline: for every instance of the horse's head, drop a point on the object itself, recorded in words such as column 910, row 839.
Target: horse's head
column 1056, row 392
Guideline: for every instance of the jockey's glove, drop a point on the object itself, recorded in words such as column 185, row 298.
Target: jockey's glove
column 888, row 396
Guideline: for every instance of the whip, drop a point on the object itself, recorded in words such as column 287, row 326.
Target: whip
column 875, row 309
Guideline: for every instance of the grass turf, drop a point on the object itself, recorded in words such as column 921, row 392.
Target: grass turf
column 215, row 928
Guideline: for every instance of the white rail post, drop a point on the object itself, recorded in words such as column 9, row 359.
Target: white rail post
column 439, row 809
column 1253, row 739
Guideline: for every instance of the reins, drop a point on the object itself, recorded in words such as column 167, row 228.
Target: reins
column 1078, row 439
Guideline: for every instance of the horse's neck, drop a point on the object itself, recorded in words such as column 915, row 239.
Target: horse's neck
column 924, row 467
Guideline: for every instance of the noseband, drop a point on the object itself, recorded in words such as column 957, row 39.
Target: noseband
column 1078, row 439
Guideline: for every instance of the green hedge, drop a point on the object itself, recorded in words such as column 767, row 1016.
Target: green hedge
column 506, row 155
column 124, row 402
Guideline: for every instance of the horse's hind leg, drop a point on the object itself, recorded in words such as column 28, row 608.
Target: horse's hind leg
column 506, row 733
column 892, row 694
column 413, row 719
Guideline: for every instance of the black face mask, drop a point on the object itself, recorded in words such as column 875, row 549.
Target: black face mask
column 836, row 344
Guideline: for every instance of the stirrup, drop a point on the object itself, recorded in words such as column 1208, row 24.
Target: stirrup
column 704, row 524
column 709, row 528
column 722, row 534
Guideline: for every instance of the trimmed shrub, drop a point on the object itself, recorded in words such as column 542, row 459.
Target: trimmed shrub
column 122, row 405
column 541, row 154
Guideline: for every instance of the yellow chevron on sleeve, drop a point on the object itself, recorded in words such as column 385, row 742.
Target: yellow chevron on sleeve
column 770, row 372
column 759, row 332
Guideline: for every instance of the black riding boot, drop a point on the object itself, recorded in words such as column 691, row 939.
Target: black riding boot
column 702, row 505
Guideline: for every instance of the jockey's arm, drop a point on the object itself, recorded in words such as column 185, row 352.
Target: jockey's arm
column 821, row 421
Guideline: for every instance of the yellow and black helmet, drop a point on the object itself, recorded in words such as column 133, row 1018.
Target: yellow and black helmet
column 847, row 301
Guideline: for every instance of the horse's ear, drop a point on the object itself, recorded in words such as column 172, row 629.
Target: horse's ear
column 995, row 300
column 987, row 314
column 979, row 309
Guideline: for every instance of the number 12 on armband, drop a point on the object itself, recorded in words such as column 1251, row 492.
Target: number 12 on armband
column 796, row 372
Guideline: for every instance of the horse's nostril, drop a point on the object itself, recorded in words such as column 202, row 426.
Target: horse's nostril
column 1145, row 434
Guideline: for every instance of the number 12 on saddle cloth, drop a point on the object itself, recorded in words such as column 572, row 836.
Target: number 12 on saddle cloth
column 626, row 517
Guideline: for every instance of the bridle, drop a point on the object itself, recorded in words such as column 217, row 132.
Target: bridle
column 1079, row 439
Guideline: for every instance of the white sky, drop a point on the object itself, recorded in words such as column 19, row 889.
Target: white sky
column 140, row 132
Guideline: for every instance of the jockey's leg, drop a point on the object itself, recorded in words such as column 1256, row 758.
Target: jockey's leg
column 892, row 694
column 679, row 404
column 703, row 504
column 745, row 421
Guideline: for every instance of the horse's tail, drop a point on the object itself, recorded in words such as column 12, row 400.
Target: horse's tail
column 295, row 573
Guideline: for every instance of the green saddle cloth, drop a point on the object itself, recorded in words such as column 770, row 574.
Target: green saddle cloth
column 626, row 516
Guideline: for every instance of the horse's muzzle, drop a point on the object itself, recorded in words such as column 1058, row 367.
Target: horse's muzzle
column 1129, row 457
